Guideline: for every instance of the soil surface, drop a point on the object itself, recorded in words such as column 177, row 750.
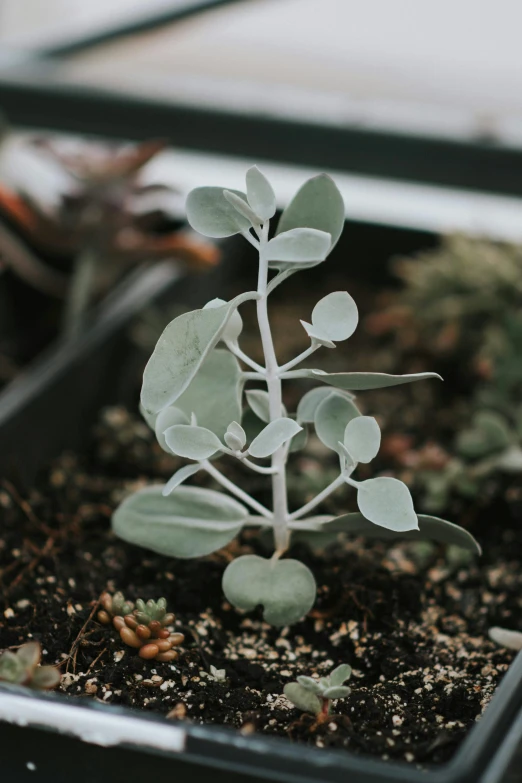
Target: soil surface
column 410, row 620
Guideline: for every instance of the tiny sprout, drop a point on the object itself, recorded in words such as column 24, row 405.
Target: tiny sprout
column 315, row 696
column 218, row 675
column 145, row 627
column 23, row 668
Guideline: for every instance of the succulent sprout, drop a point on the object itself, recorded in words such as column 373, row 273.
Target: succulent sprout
column 23, row 668
column 145, row 627
column 315, row 696
column 218, row 675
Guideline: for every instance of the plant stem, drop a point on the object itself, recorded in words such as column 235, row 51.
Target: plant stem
column 235, row 490
column 298, row 359
column 257, row 468
column 275, row 401
column 236, row 350
column 338, row 482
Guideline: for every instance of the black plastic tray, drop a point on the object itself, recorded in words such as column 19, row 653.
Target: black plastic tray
column 55, row 738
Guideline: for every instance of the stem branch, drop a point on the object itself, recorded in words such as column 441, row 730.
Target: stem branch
column 234, row 489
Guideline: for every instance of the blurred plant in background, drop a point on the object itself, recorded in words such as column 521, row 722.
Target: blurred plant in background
column 463, row 303
column 105, row 220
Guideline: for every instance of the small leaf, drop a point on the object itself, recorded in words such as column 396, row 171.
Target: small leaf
column 234, row 325
column 331, row 417
column 340, row 674
column 387, row 502
column 180, row 352
column 336, row 316
column 511, row 640
column 311, row 400
column 273, row 436
column 29, row 655
column 258, row 400
column 166, row 418
column 241, row 206
column 336, row 692
column 362, row 438
column 236, row 432
column 251, row 423
column 179, row 477
column 192, row 442
column 300, row 244
column 260, row 194
column 299, row 441
column 210, row 213
column 317, row 204
column 430, row 529
column 192, row 522
column 303, row 699
column 310, row 684
column 285, row 588
column 45, row 678
column 362, row 381
column 316, row 336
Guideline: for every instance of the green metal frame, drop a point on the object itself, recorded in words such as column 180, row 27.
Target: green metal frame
column 34, row 92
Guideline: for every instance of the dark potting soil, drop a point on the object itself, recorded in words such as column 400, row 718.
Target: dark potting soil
column 412, row 622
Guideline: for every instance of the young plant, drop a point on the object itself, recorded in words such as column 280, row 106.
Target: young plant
column 315, row 696
column 192, row 396
column 23, row 668
column 145, row 627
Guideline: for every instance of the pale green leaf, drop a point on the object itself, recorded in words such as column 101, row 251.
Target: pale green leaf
column 258, row 400
column 273, row 436
column 317, row 336
column 489, row 433
column 234, row 325
column 387, row 502
column 192, row 442
column 303, row 699
column 45, row 678
column 214, row 394
column 300, row 244
column 191, row 522
column 211, row 214
column 317, row 204
column 299, row 441
column 166, row 418
column 340, row 674
column 179, row 477
column 309, row 684
column 285, row 588
column 362, row 381
column 260, row 194
column 237, row 432
column 362, row 438
column 336, row 692
column 180, row 352
column 331, row 417
column 336, row 316
column 310, row 401
column 241, row 206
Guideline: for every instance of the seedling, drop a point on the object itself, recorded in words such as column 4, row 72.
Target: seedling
column 23, row 668
column 192, row 396
column 218, row 675
column 145, row 627
column 315, row 696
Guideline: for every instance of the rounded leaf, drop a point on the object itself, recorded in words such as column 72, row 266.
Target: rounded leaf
column 310, row 684
column 258, row 401
column 310, row 402
column 260, row 194
column 511, row 640
column 285, row 588
column 211, row 214
column 300, row 244
column 237, row 431
column 234, row 326
column 336, row 316
column 45, row 678
column 316, row 336
column 340, row 674
column 192, row 442
column 303, row 699
column 165, row 419
column 331, row 417
column 191, row 522
column 336, row 692
column 317, row 204
column 387, row 502
column 273, row 436
column 362, row 438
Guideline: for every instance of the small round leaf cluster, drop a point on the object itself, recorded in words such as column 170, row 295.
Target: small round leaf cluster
column 23, row 668
column 314, row 696
column 144, row 627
